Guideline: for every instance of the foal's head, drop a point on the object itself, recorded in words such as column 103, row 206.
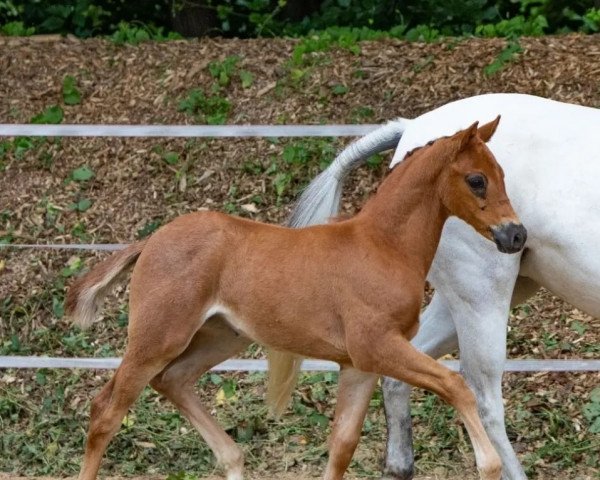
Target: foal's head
column 472, row 188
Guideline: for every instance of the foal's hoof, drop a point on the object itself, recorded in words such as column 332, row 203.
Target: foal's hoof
column 492, row 472
column 399, row 474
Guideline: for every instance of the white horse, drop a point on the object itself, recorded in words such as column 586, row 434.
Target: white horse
column 550, row 152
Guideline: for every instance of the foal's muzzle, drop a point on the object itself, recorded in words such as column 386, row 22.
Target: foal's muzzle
column 509, row 237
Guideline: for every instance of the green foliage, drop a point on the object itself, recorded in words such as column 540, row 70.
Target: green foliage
column 16, row 29
column 212, row 109
column 337, row 37
column 423, row 20
column 71, row 95
column 514, row 27
column 135, row 34
column 82, row 18
column 422, row 33
column 589, row 22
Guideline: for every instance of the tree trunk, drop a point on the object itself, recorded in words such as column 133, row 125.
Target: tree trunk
column 194, row 19
column 296, row 10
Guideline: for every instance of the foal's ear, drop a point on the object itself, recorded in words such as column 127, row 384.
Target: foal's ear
column 486, row 132
column 465, row 136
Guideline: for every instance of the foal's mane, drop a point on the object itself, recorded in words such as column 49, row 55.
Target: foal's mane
column 416, row 149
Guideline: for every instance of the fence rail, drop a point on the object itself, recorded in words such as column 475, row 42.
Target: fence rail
column 27, row 130
column 307, row 365
column 221, row 131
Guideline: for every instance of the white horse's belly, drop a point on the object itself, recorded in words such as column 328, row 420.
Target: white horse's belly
column 571, row 275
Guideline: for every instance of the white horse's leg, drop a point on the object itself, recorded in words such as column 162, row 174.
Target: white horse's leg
column 482, row 338
column 480, row 310
column 436, row 337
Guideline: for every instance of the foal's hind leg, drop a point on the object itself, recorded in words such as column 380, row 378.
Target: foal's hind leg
column 355, row 389
column 111, row 405
column 212, row 344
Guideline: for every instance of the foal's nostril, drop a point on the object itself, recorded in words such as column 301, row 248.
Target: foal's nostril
column 510, row 237
column 520, row 237
column 517, row 240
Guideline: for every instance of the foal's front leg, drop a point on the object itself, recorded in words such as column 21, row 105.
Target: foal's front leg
column 355, row 389
column 436, row 337
column 395, row 357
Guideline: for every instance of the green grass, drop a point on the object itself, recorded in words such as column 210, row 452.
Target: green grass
column 44, row 417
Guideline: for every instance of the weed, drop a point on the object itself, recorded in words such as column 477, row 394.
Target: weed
column 423, row 64
column 148, row 229
column 375, row 161
column 81, row 205
column 507, row 55
column 23, row 144
column 6, row 227
column 71, row 95
column 213, row 110
column 82, row 174
column 52, row 115
column 172, row 158
column 339, row 89
column 79, row 231
column 223, row 71
column 299, row 159
column 591, row 411
column 246, row 78
column 361, row 114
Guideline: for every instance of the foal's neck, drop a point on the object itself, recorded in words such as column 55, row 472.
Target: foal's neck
column 407, row 213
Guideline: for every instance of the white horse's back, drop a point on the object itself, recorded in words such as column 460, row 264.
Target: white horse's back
column 550, row 152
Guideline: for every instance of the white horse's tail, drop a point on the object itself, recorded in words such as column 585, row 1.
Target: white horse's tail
column 318, row 203
column 321, row 199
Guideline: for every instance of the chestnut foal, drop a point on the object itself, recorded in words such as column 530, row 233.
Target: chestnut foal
column 207, row 284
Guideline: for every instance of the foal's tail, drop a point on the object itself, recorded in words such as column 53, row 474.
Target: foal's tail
column 317, row 204
column 87, row 292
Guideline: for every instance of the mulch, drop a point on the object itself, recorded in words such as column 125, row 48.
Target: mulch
column 133, row 185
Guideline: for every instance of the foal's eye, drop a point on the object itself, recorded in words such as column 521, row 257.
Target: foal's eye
column 477, row 183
